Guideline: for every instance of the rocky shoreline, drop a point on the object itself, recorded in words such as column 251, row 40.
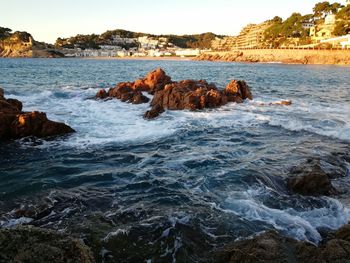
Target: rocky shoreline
column 15, row 124
column 34, row 244
column 318, row 57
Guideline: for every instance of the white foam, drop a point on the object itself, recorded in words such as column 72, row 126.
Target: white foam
column 301, row 224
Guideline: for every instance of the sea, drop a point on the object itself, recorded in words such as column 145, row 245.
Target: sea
column 188, row 183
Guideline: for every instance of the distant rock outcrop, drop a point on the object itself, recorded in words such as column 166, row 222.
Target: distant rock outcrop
column 16, row 124
column 22, row 44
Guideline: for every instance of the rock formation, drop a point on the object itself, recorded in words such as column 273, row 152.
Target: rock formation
column 30, row 244
column 132, row 91
column 196, row 95
column 273, row 247
column 185, row 94
column 22, row 44
column 16, row 124
column 310, row 179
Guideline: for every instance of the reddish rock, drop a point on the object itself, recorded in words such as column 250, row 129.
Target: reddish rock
column 15, row 124
column 125, row 92
column 102, row 94
column 36, row 124
column 132, row 91
column 194, row 95
column 237, row 90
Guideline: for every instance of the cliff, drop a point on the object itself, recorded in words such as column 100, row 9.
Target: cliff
column 288, row 56
column 22, row 44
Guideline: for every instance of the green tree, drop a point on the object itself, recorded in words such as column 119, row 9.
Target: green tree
column 321, row 9
column 342, row 28
column 5, row 32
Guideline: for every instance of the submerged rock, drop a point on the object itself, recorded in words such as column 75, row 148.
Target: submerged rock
column 35, row 245
column 16, row 124
column 273, row 247
column 310, row 179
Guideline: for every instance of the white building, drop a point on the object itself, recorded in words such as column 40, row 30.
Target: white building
column 187, row 52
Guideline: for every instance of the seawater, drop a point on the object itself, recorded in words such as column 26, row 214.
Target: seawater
column 218, row 175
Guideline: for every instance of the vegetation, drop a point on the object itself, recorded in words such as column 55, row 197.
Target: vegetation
column 280, row 30
column 323, row 9
column 5, row 32
column 94, row 41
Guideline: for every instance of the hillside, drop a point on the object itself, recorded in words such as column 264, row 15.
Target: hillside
column 22, row 44
column 94, row 41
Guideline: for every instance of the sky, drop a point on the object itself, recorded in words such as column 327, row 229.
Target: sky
column 47, row 20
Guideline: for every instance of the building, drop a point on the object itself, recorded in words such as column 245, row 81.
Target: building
column 223, row 44
column 308, row 24
column 187, row 52
column 252, row 36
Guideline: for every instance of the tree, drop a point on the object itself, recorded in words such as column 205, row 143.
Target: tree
column 344, row 13
column 321, row 9
column 5, row 32
column 342, row 28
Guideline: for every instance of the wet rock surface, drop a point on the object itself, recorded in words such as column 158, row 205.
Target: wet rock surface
column 273, row 247
column 310, row 179
column 35, row 245
column 15, row 124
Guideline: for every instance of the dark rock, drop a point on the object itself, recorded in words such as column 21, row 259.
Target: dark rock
column 273, row 247
column 34, row 245
column 310, row 179
column 15, row 103
column 154, row 112
column 269, row 247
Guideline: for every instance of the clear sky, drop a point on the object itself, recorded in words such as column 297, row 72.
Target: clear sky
column 46, row 20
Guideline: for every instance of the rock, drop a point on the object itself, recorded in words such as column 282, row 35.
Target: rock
column 2, row 93
column 15, row 124
column 154, row 81
column 36, row 124
column 273, row 247
column 269, row 247
column 35, row 245
column 196, row 95
column 101, row 94
column 125, row 92
column 154, row 112
column 310, row 179
column 343, row 233
column 132, row 91
column 15, row 103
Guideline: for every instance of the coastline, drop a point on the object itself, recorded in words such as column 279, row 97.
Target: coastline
column 285, row 56
column 140, row 58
